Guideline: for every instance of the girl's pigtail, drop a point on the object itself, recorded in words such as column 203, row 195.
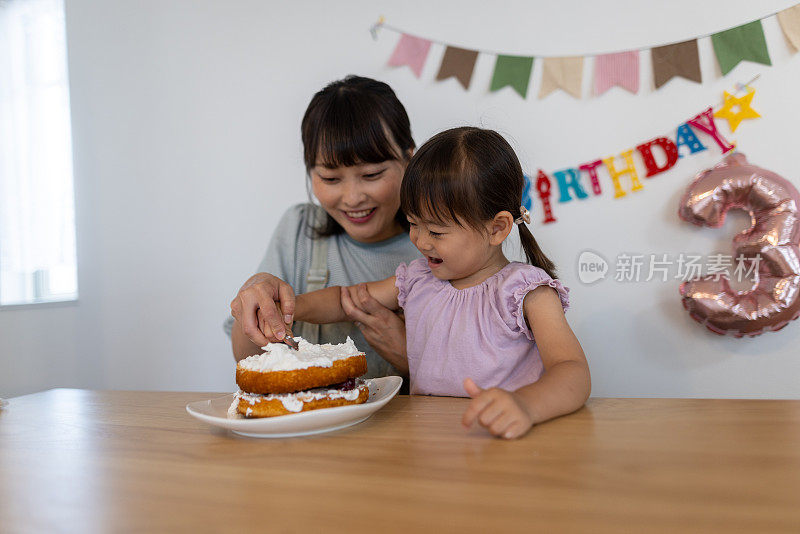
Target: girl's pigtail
column 534, row 254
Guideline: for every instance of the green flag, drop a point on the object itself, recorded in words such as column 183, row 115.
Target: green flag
column 743, row 42
column 514, row 71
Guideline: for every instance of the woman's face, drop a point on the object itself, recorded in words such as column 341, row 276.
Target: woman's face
column 363, row 199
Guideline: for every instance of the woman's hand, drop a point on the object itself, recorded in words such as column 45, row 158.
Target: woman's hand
column 257, row 308
column 382, row 328
column 501, row 412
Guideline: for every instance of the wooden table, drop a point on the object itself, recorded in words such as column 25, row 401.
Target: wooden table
column 113, row 461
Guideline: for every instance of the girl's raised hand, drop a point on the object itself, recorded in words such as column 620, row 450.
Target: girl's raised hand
column 501, row 412
column 257, row 308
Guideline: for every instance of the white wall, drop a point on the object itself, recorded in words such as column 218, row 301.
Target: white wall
column 186, row 119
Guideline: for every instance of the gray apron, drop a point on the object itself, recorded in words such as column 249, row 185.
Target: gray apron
column 317, row 278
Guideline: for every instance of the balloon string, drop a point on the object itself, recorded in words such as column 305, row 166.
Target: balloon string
column 742, row 86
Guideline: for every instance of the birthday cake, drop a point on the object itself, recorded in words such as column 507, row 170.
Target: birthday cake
column 283, row 380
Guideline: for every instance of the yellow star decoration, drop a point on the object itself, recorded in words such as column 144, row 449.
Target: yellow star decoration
column 733, row 115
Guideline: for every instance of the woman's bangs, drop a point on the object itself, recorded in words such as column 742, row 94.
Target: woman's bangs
column 347, row 139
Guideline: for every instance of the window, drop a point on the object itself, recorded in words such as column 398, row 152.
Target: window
column 37, row 213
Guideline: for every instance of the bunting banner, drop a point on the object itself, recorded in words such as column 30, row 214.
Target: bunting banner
column 617, row 69
column 411, row 51
column 737, row 44
column 789, row 19
column 513, row 71
column 679, row 59
column 458, row 63
column 564, row 73
column 657, row 155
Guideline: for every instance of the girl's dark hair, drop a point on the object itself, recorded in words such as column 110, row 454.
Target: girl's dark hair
column 467, row 176
column 352, row 121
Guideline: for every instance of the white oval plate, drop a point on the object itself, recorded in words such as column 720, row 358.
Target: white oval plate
column 215, row 412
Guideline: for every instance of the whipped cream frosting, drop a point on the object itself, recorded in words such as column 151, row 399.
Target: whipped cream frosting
column 281, row 357
column 293, row 402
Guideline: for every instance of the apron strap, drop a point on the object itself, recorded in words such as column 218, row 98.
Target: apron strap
column 317, row 276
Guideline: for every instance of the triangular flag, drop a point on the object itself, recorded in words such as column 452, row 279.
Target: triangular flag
column 410, row 51
column 789, row 20
column 562, row 73
column 740, row 43
column 458, row 62
column 679, row 59
column 620, row 69
column 514, row 71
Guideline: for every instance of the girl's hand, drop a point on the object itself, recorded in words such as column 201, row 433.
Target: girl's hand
column 382, row 328
column 257, row 308
column 501, row 412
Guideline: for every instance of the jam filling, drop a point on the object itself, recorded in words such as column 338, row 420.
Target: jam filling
column 347, row 385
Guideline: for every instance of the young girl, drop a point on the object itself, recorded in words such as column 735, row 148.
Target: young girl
column 476, row 323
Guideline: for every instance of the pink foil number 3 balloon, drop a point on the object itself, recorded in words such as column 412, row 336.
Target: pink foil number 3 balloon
column 773, row 237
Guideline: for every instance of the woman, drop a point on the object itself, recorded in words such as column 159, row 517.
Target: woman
column 357, row 142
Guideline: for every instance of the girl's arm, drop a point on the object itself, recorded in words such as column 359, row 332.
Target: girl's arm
column 381, row 327
column 325, row 306
column 562, row 389
column 565, row 385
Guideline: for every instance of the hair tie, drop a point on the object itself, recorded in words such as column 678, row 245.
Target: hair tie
column 525, row 216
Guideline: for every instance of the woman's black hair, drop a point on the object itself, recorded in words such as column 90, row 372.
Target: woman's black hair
column 352, row 121
column 467, row 176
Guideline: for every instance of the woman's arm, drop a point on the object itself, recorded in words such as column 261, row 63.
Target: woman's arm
column 319, row 307
column 257, row 314
column 562, row 389
column 243, row 346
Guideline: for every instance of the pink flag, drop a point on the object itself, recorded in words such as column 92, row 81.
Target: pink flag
column 410, row 51
column 616, row 69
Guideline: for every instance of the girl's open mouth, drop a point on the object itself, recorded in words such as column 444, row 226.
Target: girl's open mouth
column 434, row 262
column 359, row 217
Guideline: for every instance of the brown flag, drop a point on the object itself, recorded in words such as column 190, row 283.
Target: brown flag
column 679, row 59
column 458, row 62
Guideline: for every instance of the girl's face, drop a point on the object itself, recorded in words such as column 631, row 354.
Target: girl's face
column 456, row 253
column 363, row 199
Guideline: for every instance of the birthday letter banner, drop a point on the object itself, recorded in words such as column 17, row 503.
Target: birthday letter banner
column 658, row 155
column 731, row 46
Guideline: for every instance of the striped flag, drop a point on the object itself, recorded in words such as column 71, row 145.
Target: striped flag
column 620, row 69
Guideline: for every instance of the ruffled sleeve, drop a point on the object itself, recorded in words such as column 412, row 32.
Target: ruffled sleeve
column 518, row 285
column 407, row 276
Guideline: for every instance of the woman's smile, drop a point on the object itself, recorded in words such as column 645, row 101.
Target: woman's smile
column 359, row 217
